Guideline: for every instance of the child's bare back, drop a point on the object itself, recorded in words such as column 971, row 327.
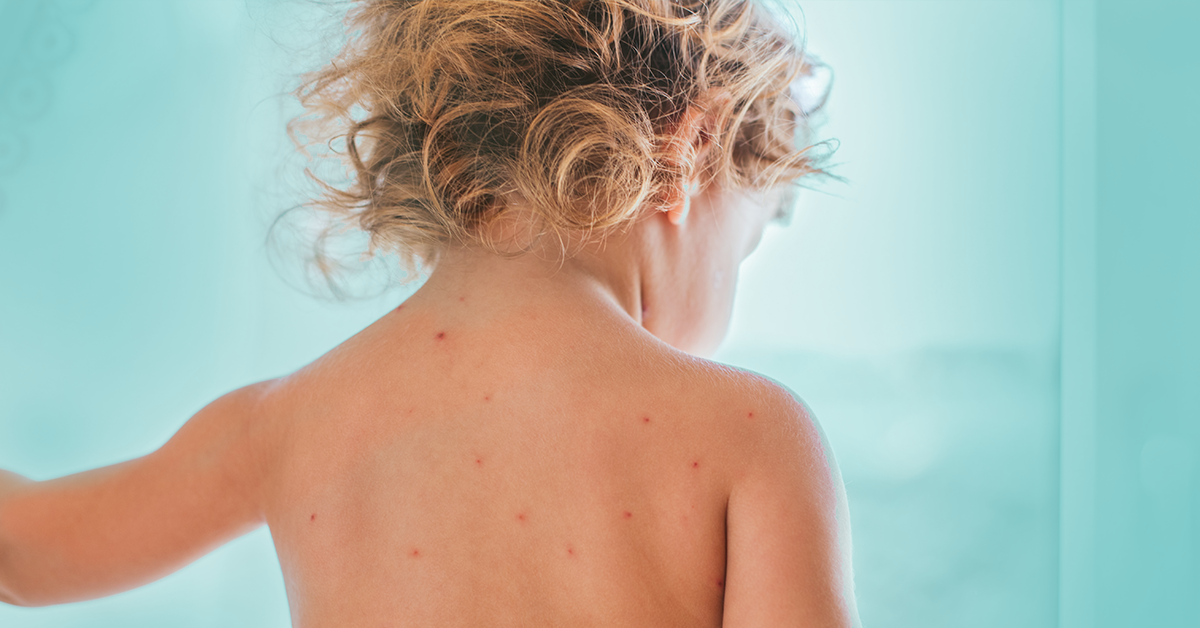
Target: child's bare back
column 534, row 469
column 466, row 461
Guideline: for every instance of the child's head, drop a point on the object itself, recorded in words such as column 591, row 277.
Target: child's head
column 449, row 107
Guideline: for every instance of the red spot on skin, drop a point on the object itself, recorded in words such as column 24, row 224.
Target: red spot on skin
column 521, row 516
column 695, row 465
column 720, row 583
column 461, row 299
column 415, row 553
column 628, row 514
column 571, row 551
column 441, row 334
column 400, row 307
column 313, row 517
column 749, row 415
column 645, row 419
column 487, row 398
column 479, row 462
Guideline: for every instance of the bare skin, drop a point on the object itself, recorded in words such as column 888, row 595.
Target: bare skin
column 522, row 442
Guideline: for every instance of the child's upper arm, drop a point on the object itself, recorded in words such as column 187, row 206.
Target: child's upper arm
column 788, row 528
column 110, row 529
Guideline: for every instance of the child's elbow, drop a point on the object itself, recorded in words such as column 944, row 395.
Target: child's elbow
column 8, row 589
column 10, row 599
column 14, row 590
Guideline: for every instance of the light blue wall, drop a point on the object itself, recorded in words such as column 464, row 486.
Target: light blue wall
column 1131, row 422
column 994, row 321
column 1148, row 313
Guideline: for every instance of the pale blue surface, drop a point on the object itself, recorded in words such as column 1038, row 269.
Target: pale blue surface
column 1148, row 306
column 919, row 310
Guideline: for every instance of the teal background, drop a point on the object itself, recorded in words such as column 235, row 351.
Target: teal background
column 994, row 320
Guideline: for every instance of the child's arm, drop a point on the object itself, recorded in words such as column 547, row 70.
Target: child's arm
column 788, row 530
column 114, row 528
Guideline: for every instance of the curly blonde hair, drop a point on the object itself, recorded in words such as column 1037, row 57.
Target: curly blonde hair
column 444, row 107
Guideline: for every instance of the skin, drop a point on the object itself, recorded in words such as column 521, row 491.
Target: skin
column 523, row 442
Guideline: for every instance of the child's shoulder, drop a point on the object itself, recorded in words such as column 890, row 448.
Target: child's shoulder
column 726, row 384
column 756, row 411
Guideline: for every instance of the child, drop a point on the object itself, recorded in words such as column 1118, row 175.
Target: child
column 529, row 439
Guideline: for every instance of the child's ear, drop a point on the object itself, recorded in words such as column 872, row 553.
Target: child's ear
column 691, row 141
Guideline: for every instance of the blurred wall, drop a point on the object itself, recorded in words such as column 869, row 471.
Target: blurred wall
column 1148, row 313
column 1130, row 421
